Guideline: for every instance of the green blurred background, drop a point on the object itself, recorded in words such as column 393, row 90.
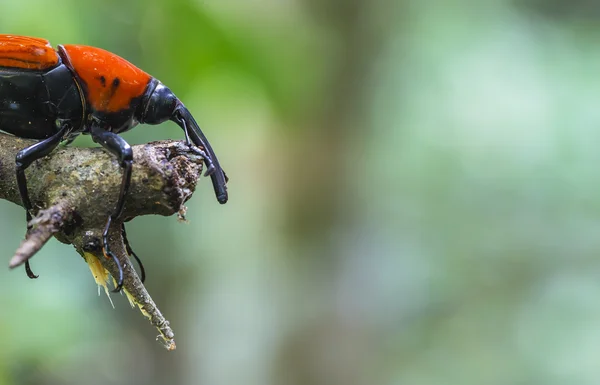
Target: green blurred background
column 415, row 198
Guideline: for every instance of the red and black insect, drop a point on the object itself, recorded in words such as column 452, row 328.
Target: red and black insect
column 54, row 95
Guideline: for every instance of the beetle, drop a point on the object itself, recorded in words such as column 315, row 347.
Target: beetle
column 53, row 95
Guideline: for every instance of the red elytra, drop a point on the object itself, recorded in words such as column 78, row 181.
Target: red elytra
column 27, row 53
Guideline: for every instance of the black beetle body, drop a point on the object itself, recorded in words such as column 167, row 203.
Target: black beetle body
column 31, row 103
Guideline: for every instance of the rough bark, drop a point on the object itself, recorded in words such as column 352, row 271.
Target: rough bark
column 74, row 189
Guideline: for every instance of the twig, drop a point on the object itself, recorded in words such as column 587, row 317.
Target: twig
column 47, row 223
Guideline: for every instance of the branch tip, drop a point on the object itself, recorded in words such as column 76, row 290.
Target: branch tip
column 43, row 227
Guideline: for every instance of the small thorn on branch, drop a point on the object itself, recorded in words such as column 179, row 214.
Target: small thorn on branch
column 132, row 286
column 43, row 226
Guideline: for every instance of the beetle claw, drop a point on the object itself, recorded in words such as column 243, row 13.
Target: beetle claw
column 210, row 166
column 210, row 169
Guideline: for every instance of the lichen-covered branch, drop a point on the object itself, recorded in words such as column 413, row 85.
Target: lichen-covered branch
column 73, row 190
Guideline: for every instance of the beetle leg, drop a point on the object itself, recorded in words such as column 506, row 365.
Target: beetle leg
column 109, row 254
column 30, row 273
column 122, row 150
column 27, row 156
column 132, row 254
column 210, row 167
column 23, row 160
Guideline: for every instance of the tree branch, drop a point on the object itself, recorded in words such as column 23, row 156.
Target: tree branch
column 73, row 190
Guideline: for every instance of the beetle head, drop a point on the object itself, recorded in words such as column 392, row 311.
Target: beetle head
column 159, row 106
column 162, row 105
